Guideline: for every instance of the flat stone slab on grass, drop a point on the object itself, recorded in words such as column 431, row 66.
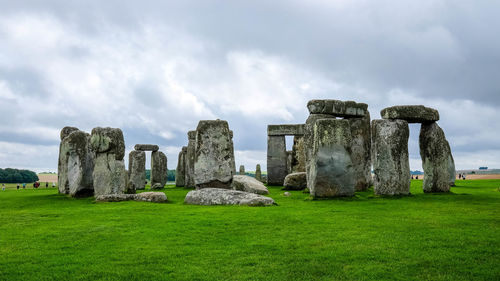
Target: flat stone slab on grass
column 155, row 197
column 146, row 147
column 219, row 196
column 411, row 113
column 337, row 108
column 248, row 184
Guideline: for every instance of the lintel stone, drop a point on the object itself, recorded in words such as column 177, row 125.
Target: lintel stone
column 285, row 130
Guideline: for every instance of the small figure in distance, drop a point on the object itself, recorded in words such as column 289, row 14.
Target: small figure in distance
column 463, row 177
column 24, row 185
column 17, row 186
column 411, row 176
column 53, row 184
column 47, row 184
column 459, row 176
column 416, row 177
column 3, row 187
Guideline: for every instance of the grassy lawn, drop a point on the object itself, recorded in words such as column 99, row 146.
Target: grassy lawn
column 456, row 236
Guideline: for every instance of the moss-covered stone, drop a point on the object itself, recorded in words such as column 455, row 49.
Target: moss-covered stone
column 411, row 113
column 435, row 154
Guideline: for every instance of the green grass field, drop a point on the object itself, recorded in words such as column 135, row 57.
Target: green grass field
column 456, row 236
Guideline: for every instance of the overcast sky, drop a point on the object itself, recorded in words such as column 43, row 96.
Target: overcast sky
column 155, row 68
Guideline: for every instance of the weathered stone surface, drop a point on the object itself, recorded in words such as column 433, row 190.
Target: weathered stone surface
column 108, row 140
column 390, row 157
column 451, row 165
column 242, row 170
column 435, row 154
column 285, row 130
column 337, row 108
column 214, row 164
column 331, row 172
column 248, row 184
column 276, row 160
column 76, row 163
column 136, row 171
column 66, row 131
column 361, row 151
column 146, row 147
column 295, row 181
column 190, row 156
column 258, row 173
column 298, row 155
column 289, row 160
column 220, row 196
column 180, row 172
column 158, row 170
column 411, row 113
column 155, row 197
column 109, row 175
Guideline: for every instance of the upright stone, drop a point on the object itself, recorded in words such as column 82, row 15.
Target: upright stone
column 158, row 170
column 390, row 157
column 136, row 171
column 258, row 173
column 214, row 161
column 180, row 172
column 361, row 151
column 435, row 154
column 242, row 170
column 331, row 172
column 276, row 160
column 109, row 176
column 76, row 163
column 190, row 156
column 289, row 160
column 451, row 165
column 298, row 155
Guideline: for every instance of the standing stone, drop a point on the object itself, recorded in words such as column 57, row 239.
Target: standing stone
column 76, row 163
column 190, row 156
column 180, row 172
column 289, row 160
column 109, row 176
column 298, row 155
column 258, row 173
column 214, row 162
column 276, row 160
column 242, row 170
column 158, row 170
column 361, row 151
column 390, row 157
column 451, row 165
column 434, row 152
column 136, row 171
column 331, row 172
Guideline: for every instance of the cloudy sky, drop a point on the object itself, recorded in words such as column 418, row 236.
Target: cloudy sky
column 155, row 68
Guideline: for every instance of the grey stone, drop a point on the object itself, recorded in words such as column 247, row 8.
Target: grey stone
column 108, row 140
column 66, row 131
column 242, row 170
column 276, row 160
column 76, row 164
column 158, row 170
column 287, row 194
column 220, row 196
column 361, row 151
column 411, row 113
column 331, row 172
column 155, row 197
column 214, row 164
column 337, row 108
column 146, row 147
column 435, row 154
column 180, row 172
column 109, row 175
column 298, row 155
column 295, row 181
column 390, row 157
column 258, row 173
column 289, row 160
column 190, row 157
column 451, row 166
column 285, row 130
column 136, row 171
column 248, row 184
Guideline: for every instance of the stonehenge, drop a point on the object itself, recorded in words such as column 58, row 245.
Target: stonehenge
column 180, row 177
column 220, row 196
column 136, row 171
column 242, row 170
column 190, row 155
column 295, row 181
column 434, row 150
column 258, row 173
column 158, row 170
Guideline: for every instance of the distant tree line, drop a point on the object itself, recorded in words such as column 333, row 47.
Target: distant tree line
column 170, row 175
column 10, row 175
